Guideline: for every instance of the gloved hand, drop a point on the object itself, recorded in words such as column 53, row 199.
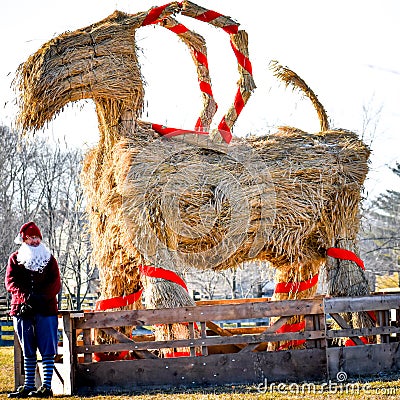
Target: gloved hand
column 24, row 310
column 36, row 300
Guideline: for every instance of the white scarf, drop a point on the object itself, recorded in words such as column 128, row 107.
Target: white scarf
column 33, row 258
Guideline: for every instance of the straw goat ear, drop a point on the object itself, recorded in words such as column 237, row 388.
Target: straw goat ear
column 290, row 78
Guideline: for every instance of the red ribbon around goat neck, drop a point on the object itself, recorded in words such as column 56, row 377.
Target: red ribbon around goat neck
column 169, row 132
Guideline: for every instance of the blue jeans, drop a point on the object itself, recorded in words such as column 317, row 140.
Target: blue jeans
column 37, row 332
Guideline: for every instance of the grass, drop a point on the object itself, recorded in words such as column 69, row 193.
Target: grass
column 6, row 369
column 378, row 388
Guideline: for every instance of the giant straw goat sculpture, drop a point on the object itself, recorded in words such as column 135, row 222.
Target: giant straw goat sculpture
column 160, row 200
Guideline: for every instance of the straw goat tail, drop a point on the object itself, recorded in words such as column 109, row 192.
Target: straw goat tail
column 290, row 78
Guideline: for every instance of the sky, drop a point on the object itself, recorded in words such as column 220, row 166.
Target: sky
column 346, row 51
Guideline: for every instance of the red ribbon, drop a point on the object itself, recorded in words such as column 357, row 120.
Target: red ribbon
column 344, row 254
column 225, row 131
column 291, row 343
column 292, row 327
column 206, row 88
column 231, row 29
column 115, row 302
column 150, row 271
column 180, row 354
column 372, row 315
column 239, row 102
column 287, row 287
column 162, row 273
column 123, row 355
column 178, row 29
column 210, row 15
column 200, row 57
column 199, row 125
column 122, row 301
column 350, row 342
column 243, row 61
column 169, row 132
column 154, row 14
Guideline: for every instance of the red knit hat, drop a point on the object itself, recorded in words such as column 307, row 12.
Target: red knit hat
column 29, row 229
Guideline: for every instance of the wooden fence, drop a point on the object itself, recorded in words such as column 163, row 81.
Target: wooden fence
column 6, row 332
column 6, row 325
column 224, row 355
column 3, row 306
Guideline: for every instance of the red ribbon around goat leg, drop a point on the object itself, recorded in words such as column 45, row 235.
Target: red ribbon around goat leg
column 147, row 270
column 122, row 301
column 155, row 272
column 287, row 287
column 344, row 254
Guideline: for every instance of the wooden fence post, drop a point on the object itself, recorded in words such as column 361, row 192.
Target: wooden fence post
column 383, row 319
column 18, row 363
column 69, row 358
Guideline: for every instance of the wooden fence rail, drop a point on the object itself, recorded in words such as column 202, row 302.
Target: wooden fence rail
column 219, row 354
column 6, row 332
column 6, row 325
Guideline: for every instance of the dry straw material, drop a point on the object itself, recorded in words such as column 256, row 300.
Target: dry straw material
column 190, row 200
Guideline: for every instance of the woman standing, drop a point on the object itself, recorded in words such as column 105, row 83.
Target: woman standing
column 33, row 279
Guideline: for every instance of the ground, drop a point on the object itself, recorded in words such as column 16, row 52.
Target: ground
column 383, row 387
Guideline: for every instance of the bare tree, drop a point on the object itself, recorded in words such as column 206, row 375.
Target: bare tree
column 251, row 280
column 63, row 214
column 207, row 283
column 41, row 182
column 17, row 188
column 380, row 241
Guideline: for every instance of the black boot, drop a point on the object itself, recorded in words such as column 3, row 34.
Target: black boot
column 21, row 393
column 42, row 392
